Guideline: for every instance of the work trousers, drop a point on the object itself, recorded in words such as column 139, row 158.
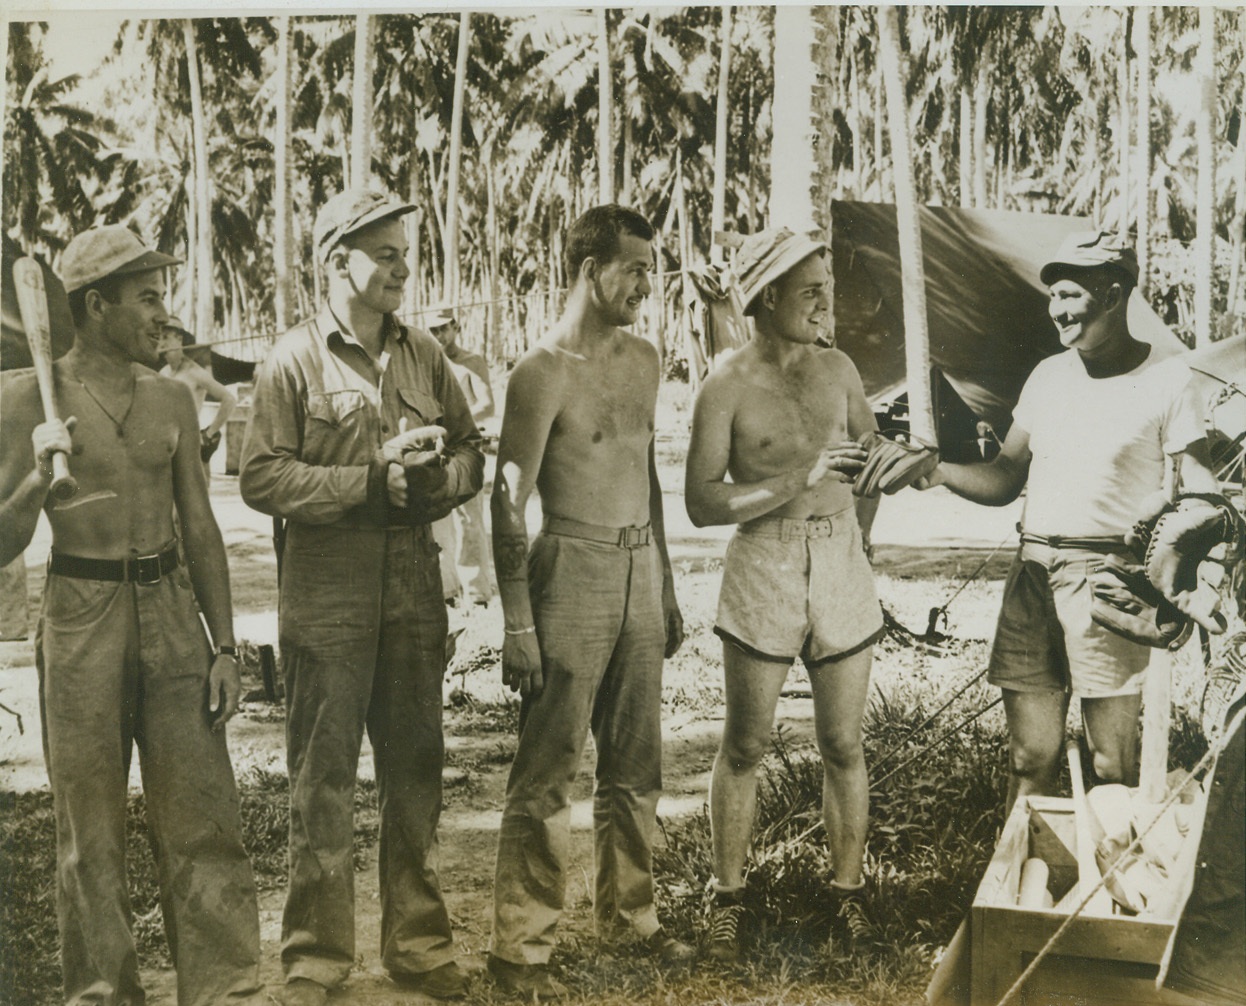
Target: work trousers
column 598, row 615
column 122, row 665
column 363, row 639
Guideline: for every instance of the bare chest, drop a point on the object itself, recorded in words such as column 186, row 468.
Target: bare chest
column 782, row 420
column 608, row 408
column 119, row 435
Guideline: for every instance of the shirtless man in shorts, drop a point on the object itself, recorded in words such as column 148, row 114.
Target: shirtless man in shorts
column 590, row 610
column 202, row 384
column 774, row 450
column 1095, row 433
column 124, row 661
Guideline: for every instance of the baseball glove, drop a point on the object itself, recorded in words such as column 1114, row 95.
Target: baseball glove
column 1186, row 551
column 893, row 464
column 1124, row 601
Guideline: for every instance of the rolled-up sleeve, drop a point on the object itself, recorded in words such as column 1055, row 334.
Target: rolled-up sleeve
column 272, row 479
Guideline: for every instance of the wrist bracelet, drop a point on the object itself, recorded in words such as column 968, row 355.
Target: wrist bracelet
column 226, row 651
column 520, row 632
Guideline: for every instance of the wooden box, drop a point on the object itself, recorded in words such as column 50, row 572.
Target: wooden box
column 1098, row 961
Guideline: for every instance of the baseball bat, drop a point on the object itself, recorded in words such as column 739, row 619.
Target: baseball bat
column 32, row 302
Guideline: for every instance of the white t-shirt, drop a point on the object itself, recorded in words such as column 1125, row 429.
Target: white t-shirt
column 1099, row 446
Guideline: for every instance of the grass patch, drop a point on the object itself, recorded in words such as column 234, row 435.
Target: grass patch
column 932, row 832
column 29, row 944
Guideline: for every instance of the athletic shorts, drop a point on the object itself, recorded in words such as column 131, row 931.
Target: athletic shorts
column 799, row 588
column 1045, row 639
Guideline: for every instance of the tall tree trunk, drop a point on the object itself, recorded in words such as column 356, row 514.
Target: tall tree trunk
column 1142, row 45
column 1122, row 97
column 451, row 288
column 415, row 194
column 718, row 210
column 204, row 286
column 283, row 172
column 605, row 108
column 626, row 195
column 981, row 95
column 493, row 332
column 908, row 224
column 854, row 127
column 966, row 145
column 1204, row 255
column 361, row 103
column 879, row 154
column 799, row 189
column 191, row 304
column 1239, row 219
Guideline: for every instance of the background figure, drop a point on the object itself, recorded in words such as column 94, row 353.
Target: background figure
column 466, row 557
column 202, row 385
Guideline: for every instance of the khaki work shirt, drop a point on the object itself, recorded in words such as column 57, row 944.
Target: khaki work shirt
column 322, row 407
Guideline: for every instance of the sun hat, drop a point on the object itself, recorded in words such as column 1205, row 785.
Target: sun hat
column 767, row 255
column 350, row 211
column 437, row 315
column 111, row 250
column 1089, row 250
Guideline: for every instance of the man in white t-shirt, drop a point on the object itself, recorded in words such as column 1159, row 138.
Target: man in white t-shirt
column 1095, row 433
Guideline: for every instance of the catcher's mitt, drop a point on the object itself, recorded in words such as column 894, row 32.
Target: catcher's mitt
column 1186, row 549
column 1124, row 601
column 893, row 464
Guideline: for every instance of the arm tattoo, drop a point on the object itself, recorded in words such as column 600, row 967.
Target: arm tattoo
column 512, row 558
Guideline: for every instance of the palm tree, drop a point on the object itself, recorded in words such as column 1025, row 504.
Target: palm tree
column 1204, row 260
column 605, row 105
column 283, row 205
column 796, row 183
column 361, row 103
column 1142, row 45
column 451, row 286
column 718, row 216
column 908, row 225
column 204, row 302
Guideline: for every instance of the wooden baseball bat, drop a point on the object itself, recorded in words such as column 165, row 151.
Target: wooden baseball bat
column 32, row 302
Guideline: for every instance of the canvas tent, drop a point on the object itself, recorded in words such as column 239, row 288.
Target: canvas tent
column 986, row 308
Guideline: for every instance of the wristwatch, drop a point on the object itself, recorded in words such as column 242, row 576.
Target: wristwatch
column 226, row 651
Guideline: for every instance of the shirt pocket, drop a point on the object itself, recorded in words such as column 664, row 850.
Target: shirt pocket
column 421, row 408
column 334, row 419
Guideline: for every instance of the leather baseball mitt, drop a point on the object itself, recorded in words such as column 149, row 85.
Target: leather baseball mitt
column 1124, row 601
column 893, row 464
column 1188, row 547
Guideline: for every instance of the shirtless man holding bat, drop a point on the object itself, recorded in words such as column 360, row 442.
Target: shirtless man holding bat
column 774, row 449
column 122, row 654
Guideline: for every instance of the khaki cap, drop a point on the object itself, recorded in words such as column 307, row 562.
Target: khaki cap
column 350, row 211
column 438, row 315
column 1089, row 250
column 112, row 250
column 767, row 255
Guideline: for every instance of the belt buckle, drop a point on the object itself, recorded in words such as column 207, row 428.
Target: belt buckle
column 820, row 528
column 144, row 570
column 632, row 537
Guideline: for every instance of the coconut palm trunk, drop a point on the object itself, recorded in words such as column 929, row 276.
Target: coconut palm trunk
column 794, row 171
column 1142, row 46
column 283, row 206
column 605, row 106
column 912, row 271
column 450, row 288
column 718, row 213
column 361, row 103
column 1204, row 257
column 204, row 286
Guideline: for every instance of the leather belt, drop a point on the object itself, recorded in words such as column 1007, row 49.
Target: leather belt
column 624, row 537
column 1100, row 543
column 788, row 528
column 142, row 569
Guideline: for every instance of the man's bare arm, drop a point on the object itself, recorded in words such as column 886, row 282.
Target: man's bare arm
column 996, row 483
column 206, row 560
column 219, row 393
column 671, row 616
column 25, row 465
column 709, row 498
column 531, row 405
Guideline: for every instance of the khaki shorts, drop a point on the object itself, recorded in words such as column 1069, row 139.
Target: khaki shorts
column 799, row 588
column 1045, row 639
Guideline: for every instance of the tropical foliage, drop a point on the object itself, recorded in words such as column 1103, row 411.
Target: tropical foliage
column 1013, row 108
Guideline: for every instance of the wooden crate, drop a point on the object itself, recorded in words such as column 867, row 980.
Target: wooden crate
column 1100, row 960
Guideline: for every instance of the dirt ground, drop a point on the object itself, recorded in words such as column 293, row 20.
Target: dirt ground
column 918, row 536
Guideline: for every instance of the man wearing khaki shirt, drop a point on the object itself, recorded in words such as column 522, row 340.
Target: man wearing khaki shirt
column 360, row 438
